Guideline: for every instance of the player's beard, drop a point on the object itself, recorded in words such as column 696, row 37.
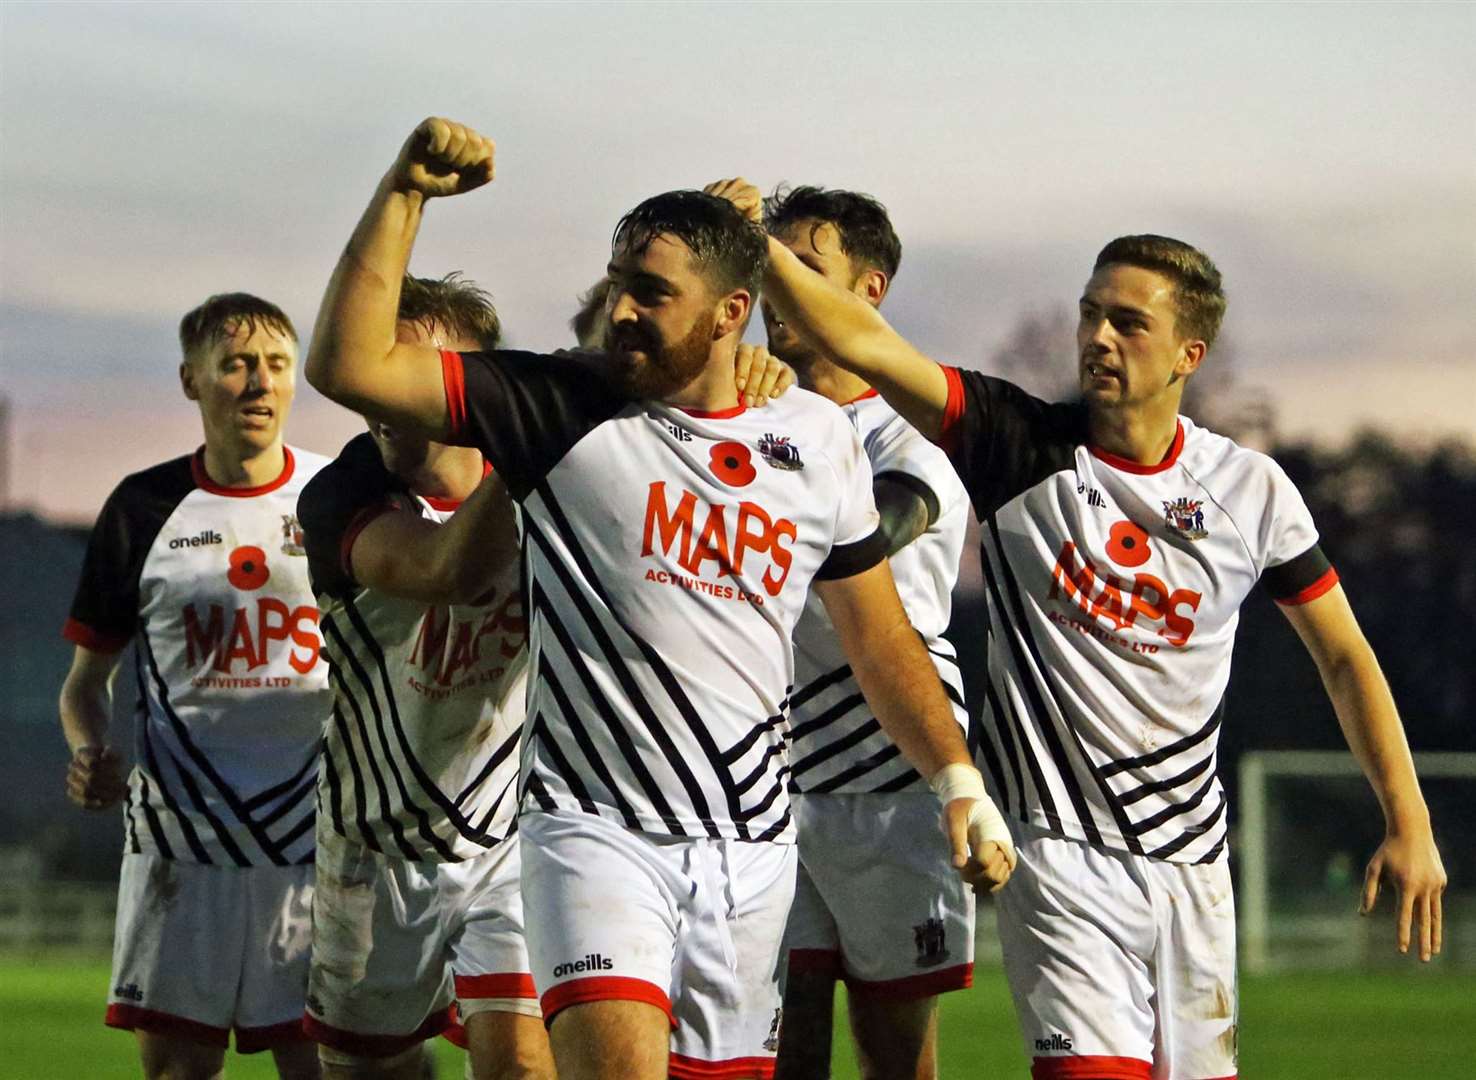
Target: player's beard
column 666, row 368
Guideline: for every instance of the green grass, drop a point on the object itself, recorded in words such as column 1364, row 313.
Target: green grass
column 1365, row 1026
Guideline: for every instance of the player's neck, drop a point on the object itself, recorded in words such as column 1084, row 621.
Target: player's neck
column 1142, row 433
column 452, row 472
column 831, row 381
column 711, row 391
column 242, row 467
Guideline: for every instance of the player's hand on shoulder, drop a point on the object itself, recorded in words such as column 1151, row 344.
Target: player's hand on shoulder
column 95, row 778
column 741, row 194
column 759, row 375
column 1411, row 863
column 442, row 157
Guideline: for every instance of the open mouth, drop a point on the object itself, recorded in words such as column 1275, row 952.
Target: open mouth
column 258, row 414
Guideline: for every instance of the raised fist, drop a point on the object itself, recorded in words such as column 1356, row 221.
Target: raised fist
column 443, row 158
column 741, row 194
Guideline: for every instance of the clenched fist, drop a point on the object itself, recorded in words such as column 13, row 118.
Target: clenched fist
column 95, row 778
column 442, row 157
column 741, row 194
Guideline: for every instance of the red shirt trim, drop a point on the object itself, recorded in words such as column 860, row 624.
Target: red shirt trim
column 437, row 503
column 357, row 525
column 453, row 376
column 605, row 988
column 1318, row 588
column 682, row 1067
column 1093, row 1066
column 718, row 414
column 79, row 633
column 379, row 1046
column 132, row 1018
column 204, row 483
column 873, row 392
column 953, row 411
column 508, row 985
column 1137, row 466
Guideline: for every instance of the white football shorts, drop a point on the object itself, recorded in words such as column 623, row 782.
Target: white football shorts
column 692, row 926
column 396, row 942
column 1121, row 967
column 201, row 951
column 878, row 901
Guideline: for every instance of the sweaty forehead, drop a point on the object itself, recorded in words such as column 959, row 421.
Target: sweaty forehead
column 1130, row 286
column 662, row 254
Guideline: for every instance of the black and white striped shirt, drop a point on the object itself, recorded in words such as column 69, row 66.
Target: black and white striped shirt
column 1114, row 590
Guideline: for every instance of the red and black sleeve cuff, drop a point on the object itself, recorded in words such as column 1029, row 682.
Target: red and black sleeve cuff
column 453, row 375
column 953, row 411
column 79, row 633
column 1300, row 580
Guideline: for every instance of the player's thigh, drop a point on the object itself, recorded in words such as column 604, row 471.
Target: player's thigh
column 274, row 970
column 882, row 867
column 168, row 977
column 297, row 1061
column 1196, row 964
column 806, row 1030
column 410, row 1063
column 610, row 1040
column 1078, row 930
column 166, row 1057
column 608, row 905
column 379, row 982
column 727, row 1000
column 508, row 1046
column 895, row 1039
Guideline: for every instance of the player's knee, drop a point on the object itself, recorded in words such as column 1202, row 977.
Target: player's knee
column 166, row 1058
column 337, row 1065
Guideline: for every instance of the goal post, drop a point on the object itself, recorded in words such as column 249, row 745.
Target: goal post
column 1265, row 933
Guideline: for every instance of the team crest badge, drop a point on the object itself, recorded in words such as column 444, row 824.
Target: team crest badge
column 779, row 452
column 1186, row 518
column 931, row 941
column 292, row 535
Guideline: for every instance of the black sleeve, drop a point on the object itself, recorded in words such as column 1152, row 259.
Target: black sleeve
column 1301, row 579
column 1002, row 440
column 105, row 607
column 525, row 411
column 907, row 507
column 336, row 504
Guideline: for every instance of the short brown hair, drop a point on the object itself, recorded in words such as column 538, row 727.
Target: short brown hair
column 227, row 313
column 1199, row 300
column 586, row 321
column 460, row 307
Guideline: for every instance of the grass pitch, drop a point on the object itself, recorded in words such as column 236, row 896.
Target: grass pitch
column 1370, row 1026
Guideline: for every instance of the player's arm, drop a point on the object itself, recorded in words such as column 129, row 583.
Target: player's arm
column 902, row 688
column 401, row 553
column 354, row 358
column 95, row 773
column 907, row 507
column 1365, row 708
column 845, row 327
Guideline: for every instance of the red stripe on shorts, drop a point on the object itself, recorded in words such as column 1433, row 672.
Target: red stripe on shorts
column 815, row 961
column 361, row 1045
column 604, row 988
column 132, row 1018
column 680, row 1067
column 1094, row 1066
column 959, row 977
column 508, row 985
column 253, row 1039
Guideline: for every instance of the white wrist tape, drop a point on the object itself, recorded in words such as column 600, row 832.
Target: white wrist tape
column 986, row 823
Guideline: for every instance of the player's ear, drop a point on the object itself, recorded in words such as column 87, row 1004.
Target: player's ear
column 187, row 380
column 732, row 313
column 1191, row 355
column 871, row 286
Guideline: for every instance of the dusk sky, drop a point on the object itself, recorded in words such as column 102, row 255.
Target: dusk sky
column 1323, row 154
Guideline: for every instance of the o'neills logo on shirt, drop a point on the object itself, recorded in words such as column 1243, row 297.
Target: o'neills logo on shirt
column 592, row 962
column 728, row 535
column 209, row 536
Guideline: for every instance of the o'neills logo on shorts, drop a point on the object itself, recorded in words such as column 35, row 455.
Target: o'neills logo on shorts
column 593, row 962
column 1055, row 1041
